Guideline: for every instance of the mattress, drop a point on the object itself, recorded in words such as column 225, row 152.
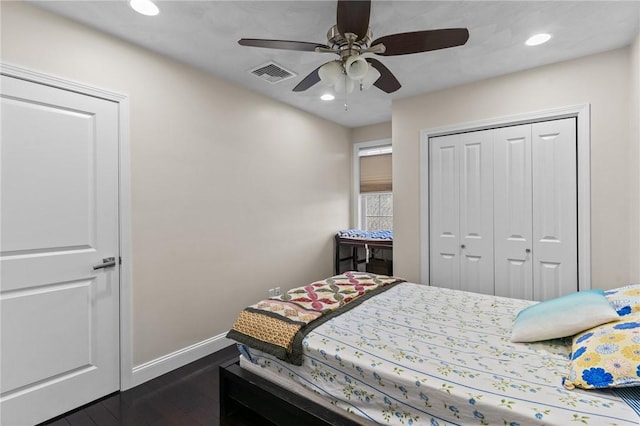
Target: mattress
column 420, row 355
column 285, row 382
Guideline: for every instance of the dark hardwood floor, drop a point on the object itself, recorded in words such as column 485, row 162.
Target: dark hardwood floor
column 186, row 396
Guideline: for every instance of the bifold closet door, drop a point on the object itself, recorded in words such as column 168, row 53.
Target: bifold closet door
column 536, row 243
column 503, row 210
column 555, row 239
column 462, row 212
column 476, row 212
column 513, row 212
column 444, row 212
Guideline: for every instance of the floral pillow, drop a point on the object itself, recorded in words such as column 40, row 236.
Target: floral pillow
column 625, row 300
column 606, row 356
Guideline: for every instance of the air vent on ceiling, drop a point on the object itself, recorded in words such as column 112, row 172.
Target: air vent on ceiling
column 272, row 72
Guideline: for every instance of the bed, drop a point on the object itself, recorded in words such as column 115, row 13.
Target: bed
column 410, row 354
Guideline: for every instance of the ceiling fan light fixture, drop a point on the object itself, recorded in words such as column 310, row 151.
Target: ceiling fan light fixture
column 372, row 76
column 356, row 67
column 144, row 7
column 330, row 72
column 538, row 39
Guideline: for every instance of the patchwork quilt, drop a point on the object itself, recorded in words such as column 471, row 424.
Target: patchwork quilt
column 278, row 325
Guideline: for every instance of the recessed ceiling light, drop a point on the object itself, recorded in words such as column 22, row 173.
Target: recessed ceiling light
column 538, row 39
column 327, row 97
column 145, row 7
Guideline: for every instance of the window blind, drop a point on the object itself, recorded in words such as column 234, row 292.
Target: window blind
column 375, row 173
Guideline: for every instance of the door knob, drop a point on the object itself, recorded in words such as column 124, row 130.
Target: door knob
column 106, row 263
column 462, row 246
column 527, row 250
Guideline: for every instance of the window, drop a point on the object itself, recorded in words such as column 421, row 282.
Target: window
column 377, row 211
column 374, row 197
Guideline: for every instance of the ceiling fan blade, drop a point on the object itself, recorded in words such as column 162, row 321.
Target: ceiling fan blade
column 308, row 81
column 387, row 81
column 281, row 44
column 422, row 41
column 353, row 17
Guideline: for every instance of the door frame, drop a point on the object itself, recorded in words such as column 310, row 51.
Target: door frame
column 124, row 198
column 582, row 113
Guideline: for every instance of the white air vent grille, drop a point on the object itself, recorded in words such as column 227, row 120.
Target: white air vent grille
column 272, row 72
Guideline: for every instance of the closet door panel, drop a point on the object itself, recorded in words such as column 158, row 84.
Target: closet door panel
column 444, row 212
column 513, row 212
column 476, row 212
column 555, row 248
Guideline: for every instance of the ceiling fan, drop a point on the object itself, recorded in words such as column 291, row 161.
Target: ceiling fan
column 351, row 38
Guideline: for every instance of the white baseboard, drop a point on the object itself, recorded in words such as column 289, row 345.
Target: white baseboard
column 159, row 366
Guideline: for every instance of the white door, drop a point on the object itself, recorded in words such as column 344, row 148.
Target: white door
column 444, row 213
column 513, row 212
column 59, row 183
column 462, row 212
column 555, row 209
column 476, row 212
column 536, row 243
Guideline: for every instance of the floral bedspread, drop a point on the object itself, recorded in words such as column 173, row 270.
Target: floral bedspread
column 420, row 355
column 277, row 325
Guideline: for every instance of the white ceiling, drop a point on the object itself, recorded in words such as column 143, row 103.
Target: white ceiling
column 205, row 34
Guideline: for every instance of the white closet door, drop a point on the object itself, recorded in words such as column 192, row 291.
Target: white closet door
column 555, row 250
column 476, row 211
column 444, row 212
column 513, row 212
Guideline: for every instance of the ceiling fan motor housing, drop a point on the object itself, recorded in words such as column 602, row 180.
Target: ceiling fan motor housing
column 347, row 45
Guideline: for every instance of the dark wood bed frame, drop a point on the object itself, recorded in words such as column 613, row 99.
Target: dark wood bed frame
column 240, row 389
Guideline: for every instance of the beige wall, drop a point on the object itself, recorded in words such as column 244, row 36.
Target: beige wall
column 372, row 132
column 634, row 162
column 601, row 80
column 232, row 193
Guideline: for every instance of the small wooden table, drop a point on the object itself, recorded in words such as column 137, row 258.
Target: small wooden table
column 375, row 265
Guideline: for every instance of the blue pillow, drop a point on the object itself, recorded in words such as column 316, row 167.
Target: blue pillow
column 563, row 316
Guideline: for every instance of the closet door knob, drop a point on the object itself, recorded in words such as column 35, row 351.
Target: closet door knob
column 527, row 250
column 461, row 246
